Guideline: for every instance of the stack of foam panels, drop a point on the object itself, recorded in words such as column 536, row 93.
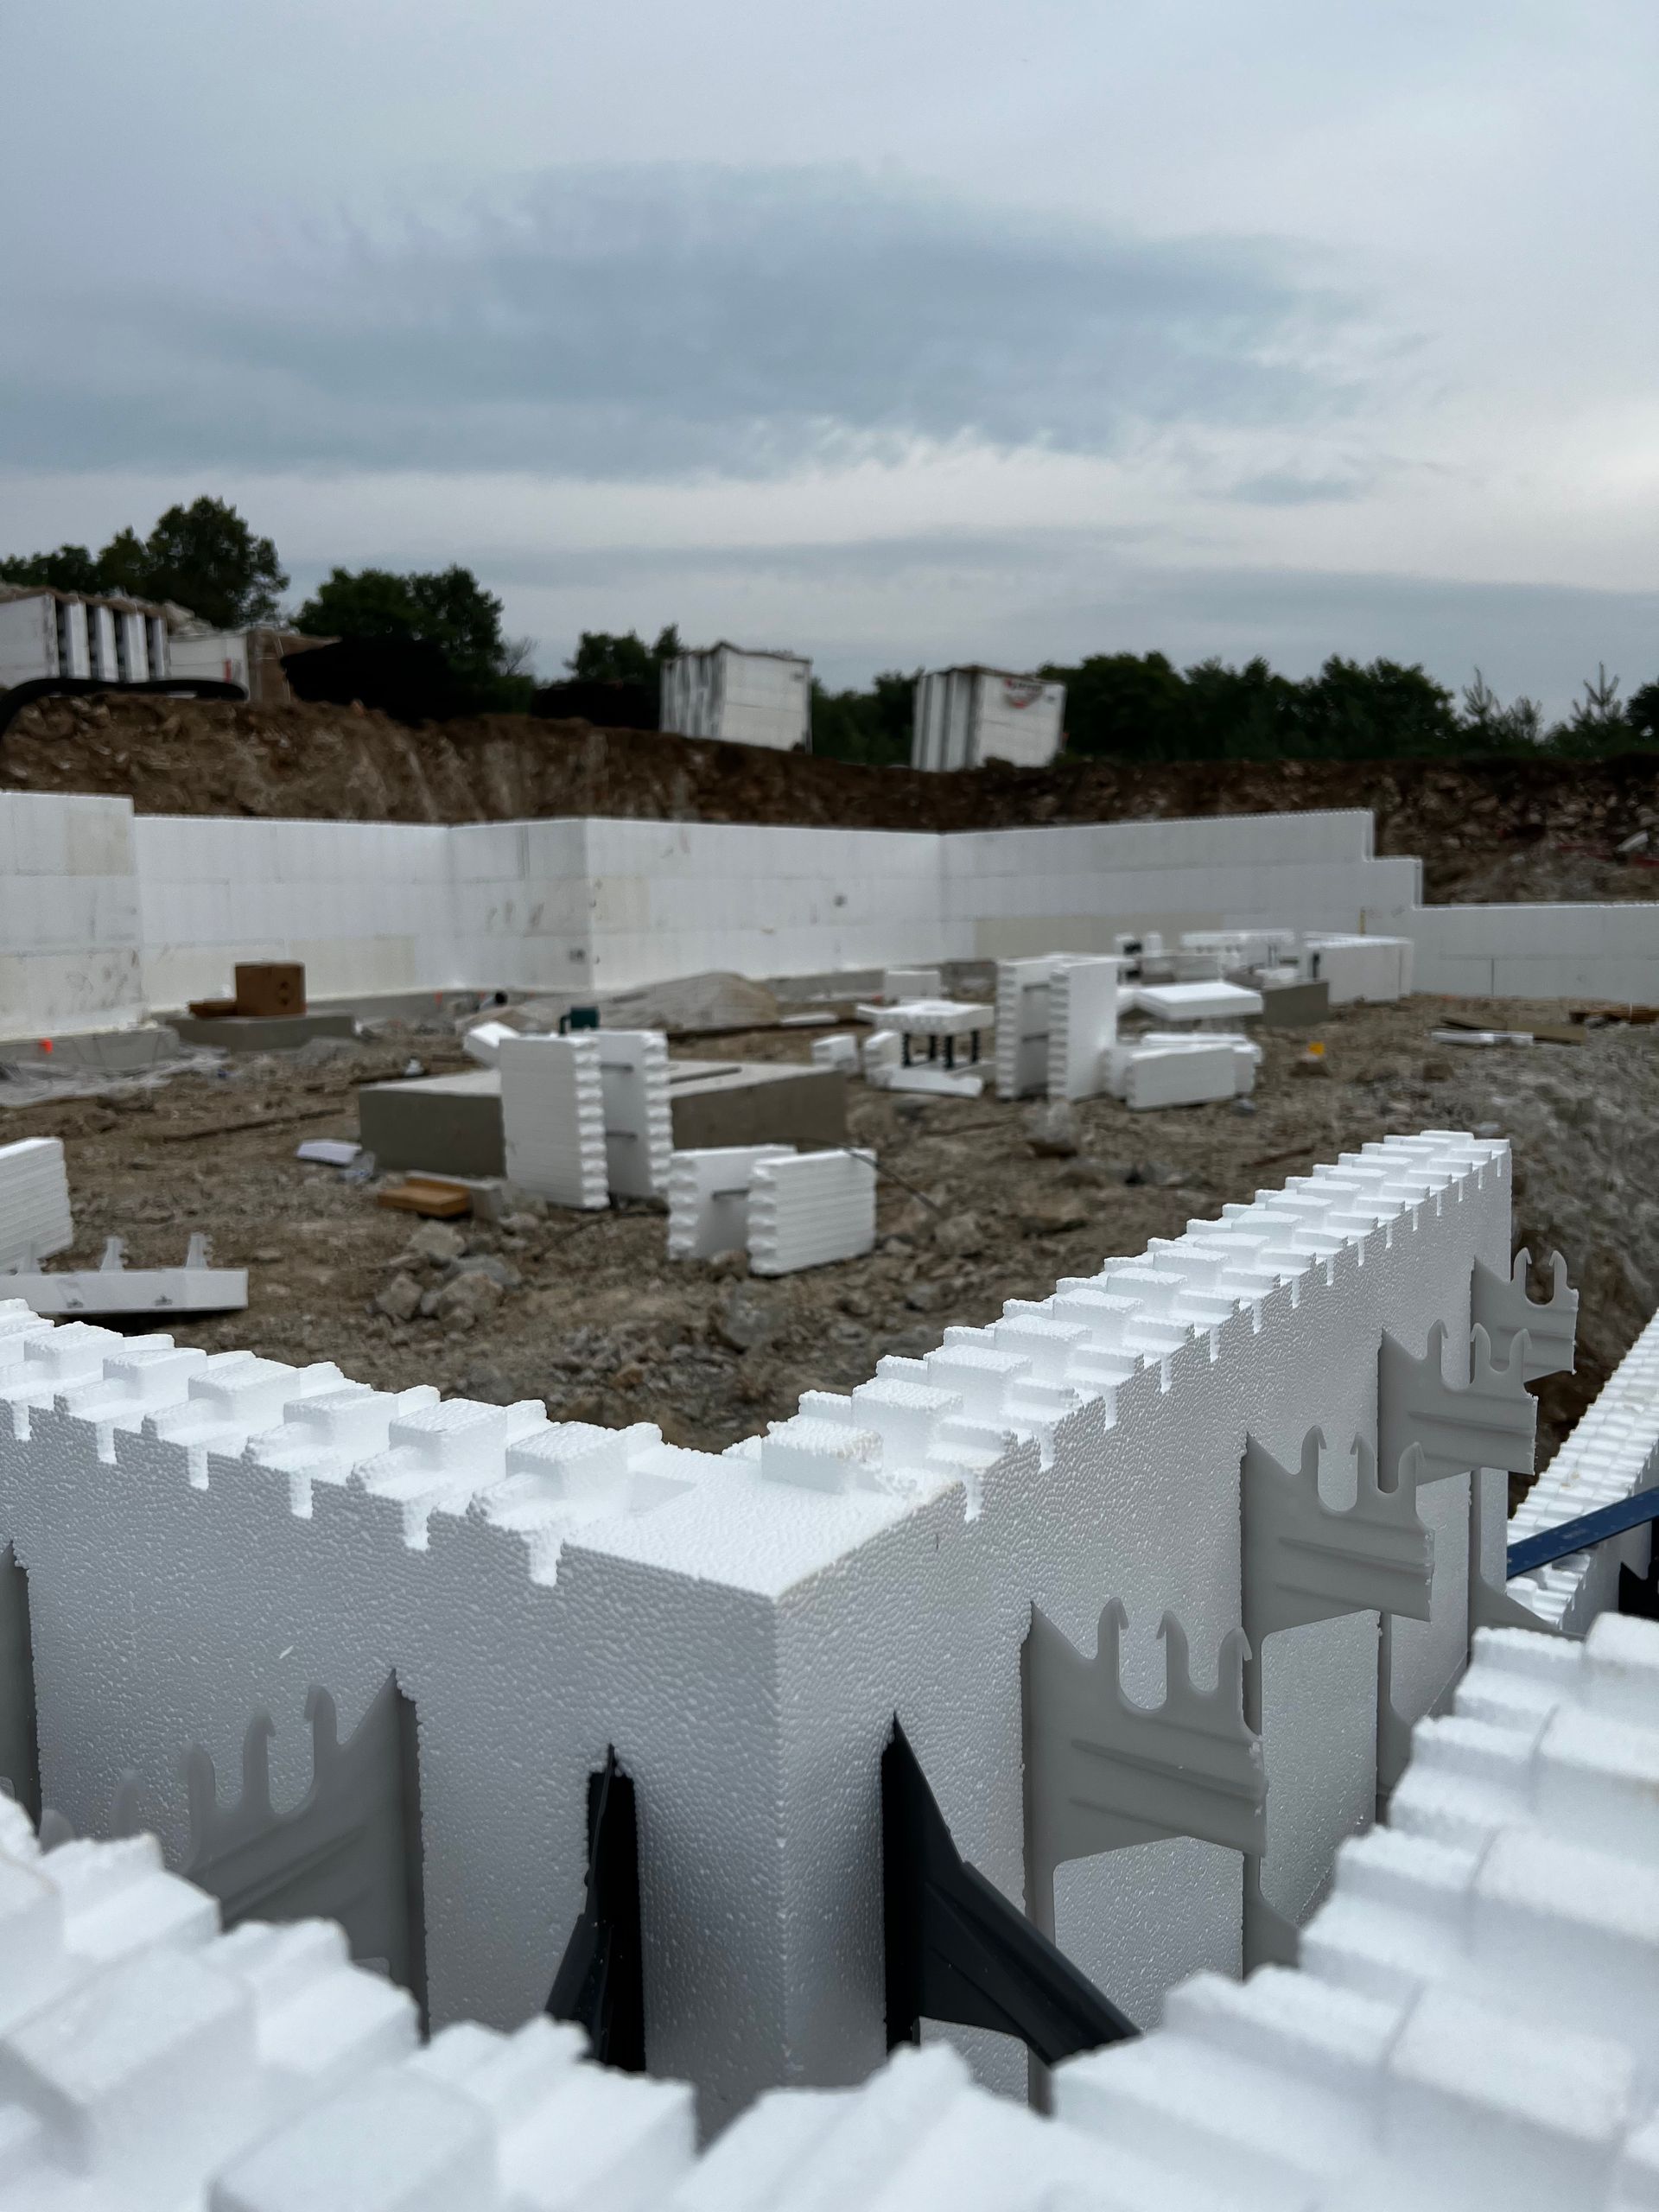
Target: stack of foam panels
column 709, row 1198
column 34, row 1218
column 808, row 1208
column 204, row 1540
column 1471, row 2026
column 553, row 1118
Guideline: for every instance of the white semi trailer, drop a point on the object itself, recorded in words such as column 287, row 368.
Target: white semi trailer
column 965, row 715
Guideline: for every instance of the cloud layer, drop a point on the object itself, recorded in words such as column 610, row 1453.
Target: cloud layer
column 652, row 322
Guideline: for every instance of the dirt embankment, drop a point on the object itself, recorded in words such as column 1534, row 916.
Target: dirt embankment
column 1502, row 829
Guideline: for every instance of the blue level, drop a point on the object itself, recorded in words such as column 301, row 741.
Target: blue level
column 1578, row 1535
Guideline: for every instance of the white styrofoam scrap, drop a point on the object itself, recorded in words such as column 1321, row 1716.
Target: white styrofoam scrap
column 1082, row 1027
column 639, row 1125
column 483, row 1042
column 553, row 1118
column 899, row 984
column 327, row 1152
column 808, row 1208
column 35, row 1221
column 1198, row 1001
column 709, row 1198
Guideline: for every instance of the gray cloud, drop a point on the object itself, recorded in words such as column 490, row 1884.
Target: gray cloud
column 652, row 322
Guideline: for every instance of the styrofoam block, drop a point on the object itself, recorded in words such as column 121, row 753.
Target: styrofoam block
column 1082, row 1027
column 899, row 984
column 553, row 1119
column 709, row 1198
column 483, row 1043
column 807, row 1208
column 837, row 1051
column 882, row 1049
column 1021, row 1024
column 638, row 1128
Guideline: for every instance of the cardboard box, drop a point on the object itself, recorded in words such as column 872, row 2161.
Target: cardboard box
column 270, row 988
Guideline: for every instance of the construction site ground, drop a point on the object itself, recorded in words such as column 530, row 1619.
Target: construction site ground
column 1505, row 830
column 979, row 1201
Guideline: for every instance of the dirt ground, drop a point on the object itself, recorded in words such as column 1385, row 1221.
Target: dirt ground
column 589, row 1316
column 1503, row 830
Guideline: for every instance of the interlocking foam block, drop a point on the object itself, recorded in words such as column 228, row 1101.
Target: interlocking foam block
column 838, row 1051
column 1473, row 2022
column 1612, row 1451
column 808, row 1208
column 1198, row 1001
column 553, row 1118
column 1082, row 1027
column 1471, row 2026
column 709, row 1198
column 1021, row 1027
column 639, row 1127
column 35, row 1216
column 740, row 1627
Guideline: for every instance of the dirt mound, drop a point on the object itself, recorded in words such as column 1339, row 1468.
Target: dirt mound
column 1500, row 829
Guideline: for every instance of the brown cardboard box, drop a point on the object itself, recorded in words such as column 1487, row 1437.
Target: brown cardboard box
column 270, row 989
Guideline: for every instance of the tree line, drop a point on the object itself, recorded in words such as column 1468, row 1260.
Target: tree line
column 1132, row 707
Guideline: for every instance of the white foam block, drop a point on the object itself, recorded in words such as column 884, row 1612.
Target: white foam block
column 1198, row 1001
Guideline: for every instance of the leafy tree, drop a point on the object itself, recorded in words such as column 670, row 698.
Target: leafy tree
column 72, row 568
column 446, row 607
column 603, row 657
column 1130, row 706
column 1643, row 713
column 872, row 728
column 204, row 556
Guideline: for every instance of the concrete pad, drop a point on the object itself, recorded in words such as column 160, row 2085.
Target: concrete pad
column 242, row 1032
column 451, row 1124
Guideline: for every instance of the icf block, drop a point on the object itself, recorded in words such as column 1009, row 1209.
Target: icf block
column 638, row 1128
column 807, row 1208
column 1082, row 1027
column 35, row 1213
column 709, row 1198
column 553, row 1118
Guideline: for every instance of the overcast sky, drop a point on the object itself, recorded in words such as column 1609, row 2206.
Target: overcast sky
column 895, row 332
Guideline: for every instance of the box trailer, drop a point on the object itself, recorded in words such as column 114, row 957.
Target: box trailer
column 965, row 715
column 747, row 698
column 54, row 634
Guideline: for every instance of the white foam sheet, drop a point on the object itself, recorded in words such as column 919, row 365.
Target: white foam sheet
column 742, row 1629
column 36, row 1220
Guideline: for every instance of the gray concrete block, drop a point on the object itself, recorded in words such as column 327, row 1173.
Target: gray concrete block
column 247, row 1032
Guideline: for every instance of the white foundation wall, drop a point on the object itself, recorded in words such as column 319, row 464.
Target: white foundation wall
column 1538, row 952
column 365, row 906
column 71, row 930
column 105, row 915
column 1072, row 888
column 198, row 1547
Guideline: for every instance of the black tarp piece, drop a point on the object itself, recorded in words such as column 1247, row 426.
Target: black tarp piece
column 601, row 1983
column 957, row 1950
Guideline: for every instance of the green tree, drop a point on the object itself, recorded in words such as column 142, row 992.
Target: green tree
column 1373, row 712
column 72, row 568
column 1643, row 713
column 446, row 608
column 1130, row 706
column 605, row 657
column 204, row 557
column 872, row 728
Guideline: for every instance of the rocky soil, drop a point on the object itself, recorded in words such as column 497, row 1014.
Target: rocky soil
column 1504, row 830
column 980, row 1202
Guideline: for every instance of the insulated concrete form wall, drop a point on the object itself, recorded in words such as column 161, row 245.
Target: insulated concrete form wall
column 208, row 1538
column 1010, row 894
column 1538, row 952
column 381, row 907
column 71, row 931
